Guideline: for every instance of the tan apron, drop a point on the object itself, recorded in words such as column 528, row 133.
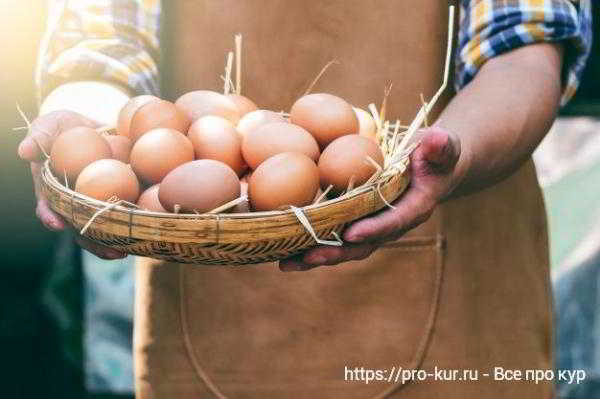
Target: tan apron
column 467, row 290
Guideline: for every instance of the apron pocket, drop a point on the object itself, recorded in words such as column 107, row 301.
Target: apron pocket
column 257, row 332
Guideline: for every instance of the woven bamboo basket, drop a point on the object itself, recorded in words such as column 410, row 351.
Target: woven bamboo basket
column 246, row 238
column 221, row 238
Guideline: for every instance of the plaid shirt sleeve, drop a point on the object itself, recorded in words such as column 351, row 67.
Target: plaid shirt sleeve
column 492, row 27
column 110, row 40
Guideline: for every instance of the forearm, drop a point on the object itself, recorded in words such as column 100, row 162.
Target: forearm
column 503, row 114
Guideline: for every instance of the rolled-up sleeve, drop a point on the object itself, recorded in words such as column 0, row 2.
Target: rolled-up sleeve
column 491, row 27
column 115, row 41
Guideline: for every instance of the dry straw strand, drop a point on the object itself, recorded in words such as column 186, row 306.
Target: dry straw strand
column 351, row 183
column 372, row 162
column 28, row 127
column 305, row 222
column 337, row 237
column 383, row 139
column 394, row 137
column 418, row 121
column 401, row 126
column 323, row 194
column 113, row 202
column 314, row 82
column 22, row 114
column 238, row 64
column 424, row 104
column 378, row 188
column 228, row 67
column 386, row 94
column 376, row 174
column 375, row 114
column 66, row 179
column 231, row 84
column 230, row 204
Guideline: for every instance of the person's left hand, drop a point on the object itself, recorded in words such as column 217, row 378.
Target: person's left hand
column 433, row 177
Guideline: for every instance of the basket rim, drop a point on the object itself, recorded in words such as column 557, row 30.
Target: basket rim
column 50, row 179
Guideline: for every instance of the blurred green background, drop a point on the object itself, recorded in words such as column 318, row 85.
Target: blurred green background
column 32, row 364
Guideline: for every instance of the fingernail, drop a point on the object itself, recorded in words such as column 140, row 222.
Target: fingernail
column 49, row 223
column 316, row 260
column 55, row 225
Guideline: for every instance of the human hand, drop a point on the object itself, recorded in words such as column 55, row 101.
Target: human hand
column 433, row 177
column 42, row 133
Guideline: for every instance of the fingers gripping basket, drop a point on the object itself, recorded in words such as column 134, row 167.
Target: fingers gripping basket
column 245, row 238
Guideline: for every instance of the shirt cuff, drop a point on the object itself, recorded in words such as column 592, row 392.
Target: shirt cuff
column 492, row 27
column 98, row 101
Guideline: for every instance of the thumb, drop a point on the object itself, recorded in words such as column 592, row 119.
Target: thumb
column 29, row 149
column 440, row 148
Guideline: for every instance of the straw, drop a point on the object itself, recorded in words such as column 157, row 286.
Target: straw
column 28, row 127
column 314, row 82
column 418, row 121
column 113, row 202
column 238, row 64
column 306, row 223
column 323, row 194
column 230, row 204
column 228, row 67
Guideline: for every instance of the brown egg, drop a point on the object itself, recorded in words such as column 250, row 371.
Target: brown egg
column 126, row 113
column 199, row 186
column 75, row 149
column 216, row 138
column 275, row 138
column 325, row 116
column 149, row 200
column 366, row 124
column 347, row 157
column 244, row 104
column 158, row 152
column 158, row 114
column 107, row 178
column 285, row 179
column 120, row 147
column 199, row 103
column 255, row 119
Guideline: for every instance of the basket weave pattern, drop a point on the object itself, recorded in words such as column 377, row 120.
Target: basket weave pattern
column 218, row 239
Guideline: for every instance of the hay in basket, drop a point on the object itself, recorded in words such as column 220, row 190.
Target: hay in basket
column 246, row 238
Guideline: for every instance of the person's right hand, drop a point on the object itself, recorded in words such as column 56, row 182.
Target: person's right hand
column 44, row 130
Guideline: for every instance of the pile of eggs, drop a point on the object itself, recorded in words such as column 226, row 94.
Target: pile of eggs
column 207, row 149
